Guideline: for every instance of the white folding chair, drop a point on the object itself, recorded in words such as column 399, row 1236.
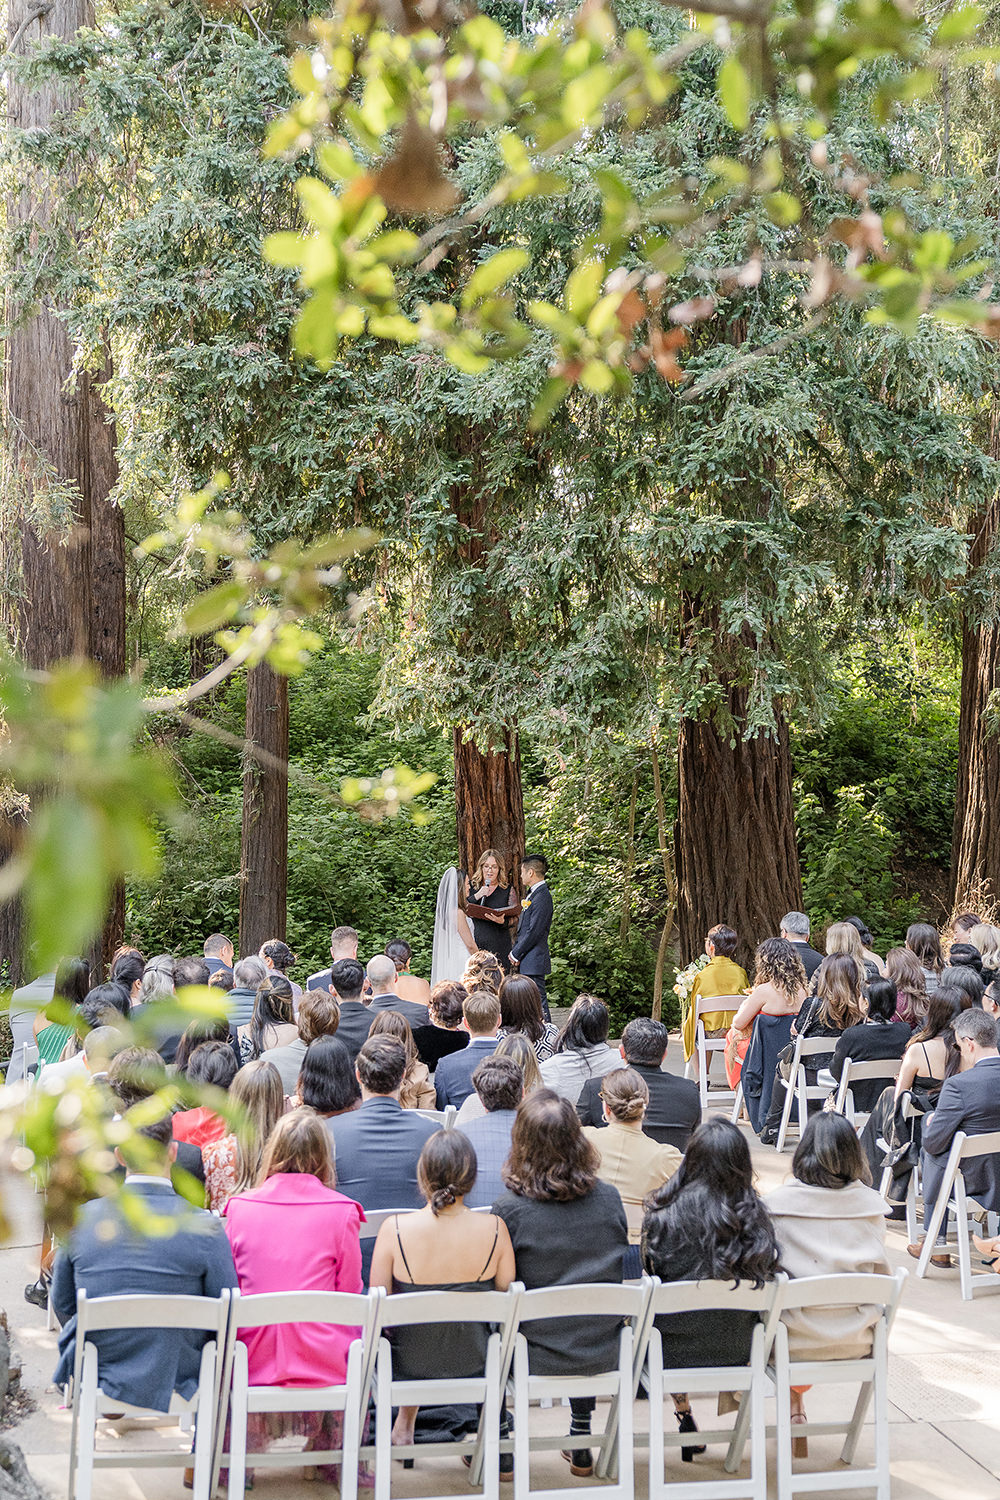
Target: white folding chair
column 750, row 1380
column 797, row 1086
column 737, row 1104
column 443, row 1117
column 954, row 1196
column 705, row 1047
column 590, row 1301
column 855, row 1072
column 913, row 1186
column 30, row 1053
column 376, row 1217
column 140, row 1314
column 854, row 1290
column 498, row 1310
column 271, row 1309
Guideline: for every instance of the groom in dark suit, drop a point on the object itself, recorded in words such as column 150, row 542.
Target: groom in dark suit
column 530, row 951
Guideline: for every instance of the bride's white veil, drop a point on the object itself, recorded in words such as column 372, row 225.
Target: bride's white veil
column 448, row 957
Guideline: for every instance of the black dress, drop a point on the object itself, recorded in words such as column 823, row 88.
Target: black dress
column 491, row 936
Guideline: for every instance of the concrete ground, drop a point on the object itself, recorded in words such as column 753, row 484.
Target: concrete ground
column 944, row 1383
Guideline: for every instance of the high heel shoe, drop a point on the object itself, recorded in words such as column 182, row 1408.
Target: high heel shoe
column 687, row 1423
column 988, row 1249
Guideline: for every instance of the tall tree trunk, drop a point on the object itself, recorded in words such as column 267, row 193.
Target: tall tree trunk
column 975, row 849
column 264, row 846
column 68, row 549
column 737, row 860
column 489, row 806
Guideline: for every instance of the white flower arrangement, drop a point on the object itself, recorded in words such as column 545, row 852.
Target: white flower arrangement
column 684, row 983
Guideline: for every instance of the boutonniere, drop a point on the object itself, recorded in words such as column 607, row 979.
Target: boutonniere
column 526, row 901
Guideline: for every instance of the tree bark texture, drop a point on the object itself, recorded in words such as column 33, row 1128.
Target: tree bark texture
column 489, row 806
column 736, row 856
column 264, row 845
column 975, row 850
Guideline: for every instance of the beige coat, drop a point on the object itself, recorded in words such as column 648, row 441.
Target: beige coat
column 827, row 1232
column 418, row 1090
column 634, row 1164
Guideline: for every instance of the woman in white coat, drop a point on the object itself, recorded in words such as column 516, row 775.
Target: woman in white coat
column 828, row 1221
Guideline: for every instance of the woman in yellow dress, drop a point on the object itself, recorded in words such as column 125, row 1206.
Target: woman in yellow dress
column 720, row 976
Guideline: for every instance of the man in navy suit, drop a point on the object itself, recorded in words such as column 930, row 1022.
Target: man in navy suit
column 970, row 1102
column 218, row 953
column 530, row 950
column 453, row 1074
column 107, row 1256
column 377, row 1147
column 499, row 1083
column 343, row 944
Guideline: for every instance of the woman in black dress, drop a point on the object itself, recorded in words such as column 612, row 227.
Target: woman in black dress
column 489, row 888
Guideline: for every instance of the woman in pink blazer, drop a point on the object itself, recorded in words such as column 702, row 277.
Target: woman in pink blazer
column 294, row 1232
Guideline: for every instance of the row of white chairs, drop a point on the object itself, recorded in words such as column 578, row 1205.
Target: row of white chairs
column 225, row 1399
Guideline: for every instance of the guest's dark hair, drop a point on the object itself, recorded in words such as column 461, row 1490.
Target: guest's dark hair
column 521, row 1007
column 446, row 1002
column 279, row 953
column 709, row 1215
column 966, row 922
column 319, row 1015
column 134, row 1074
column 270, row 1010
column 499, row 1082
column 105, row 1005
column 222, row 979
column 399, row 952
column 586, row 1026
column 645, row 1042
column 326, row 1082
column 215, row 943
column 446, row 1170
column 882, row 998
column 128, row 967
column 348, row 978
column 195, row 1034
column 72, row 981
column 723, row 939
column 942, row 1009
column 190, row 971
column 829, row 1154
column 965, row 956
column 965, row 980
column 382, row 1065
column 160, row 1132
column 213, row 1063
column 922, row 939
column 550, row 1158
column 862, row 930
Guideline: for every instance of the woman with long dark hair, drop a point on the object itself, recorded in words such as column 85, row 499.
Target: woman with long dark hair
column 53, row 1026
column 582, row 1050
column 327, row 1082
column 521, row 1015
column 925, row 945
column 273, row 1021
column 835, row 1006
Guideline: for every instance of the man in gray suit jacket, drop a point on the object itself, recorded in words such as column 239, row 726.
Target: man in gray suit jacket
column 968, row 1102
column 499, row 1083
column 107, row 1256
column 377, row 1147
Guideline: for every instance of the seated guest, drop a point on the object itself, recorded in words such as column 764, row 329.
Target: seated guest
column 964, row 982
column 279, row 958
column 829, row 1222
column 445, row 1032
column 248, row 976
column 107, row 1255
column 385, row 996
column 499, row 1086
column 319, row 1015
column 720, row 976
column 986, row 940
column 441, row 1248
column 968, row 1102
column 418, row 1090
column 103, row 1006
column 911, row 994
column 377, row 1147
column 835, row 1007
column 966, row 956
column 156, row 993
column 327, row 1084
column 213, row 1065
column 566, row 1226
column 582, row 1050
column 99, row 1047
column 222, row 979
column 347, row 985
column 189, row 972
column 135, row 1073
column 295, row 1232
column 482, row 972
column 219, row 953
column 964, row 924
column 26, row 1003
column 53, row 1026
column 925, row 945
column 521, row 1011
column 343, row 944
column 273, row 1021
column 453, row 1075
column 127, row 969
column 408, row 986
column 197, row 1032
column 795, row 929
column 232, row 1163
column 877, row 1038
column 843, row 937
column 627, row 1158
column 520, row 1051
column 674, row 1103
column 779, row 988
column 708, row 1224
column 868, row 955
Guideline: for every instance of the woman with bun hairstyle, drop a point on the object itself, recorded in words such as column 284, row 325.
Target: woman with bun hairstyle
column 442, row 1247
column 630, row 1160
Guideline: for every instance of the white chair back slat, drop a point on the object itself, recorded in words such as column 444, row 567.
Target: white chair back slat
column 796, row 1085
column 954, row 1195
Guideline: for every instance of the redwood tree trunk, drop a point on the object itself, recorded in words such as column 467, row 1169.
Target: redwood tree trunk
column 975, row 849
column 737, row 860
column 489, row 806
column 264, row 847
